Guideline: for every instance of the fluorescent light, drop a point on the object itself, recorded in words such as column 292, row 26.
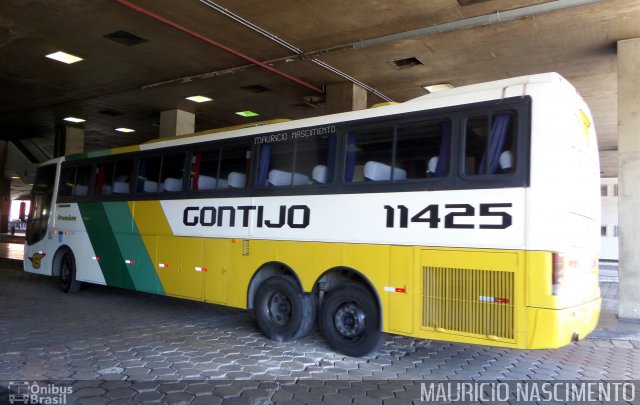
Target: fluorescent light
column 247, row 114
column 433, row 88
column 125, row 130
column 199, row 99
column 64, row 57
column 15, row 177
column 74, row 119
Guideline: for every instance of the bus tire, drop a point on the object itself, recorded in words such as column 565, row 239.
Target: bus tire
column 68, row 281
column 350, row 320
column 282, row 311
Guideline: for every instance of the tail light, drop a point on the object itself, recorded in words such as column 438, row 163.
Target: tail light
column 557, row 273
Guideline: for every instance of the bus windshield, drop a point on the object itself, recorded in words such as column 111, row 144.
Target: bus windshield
column 40, row 204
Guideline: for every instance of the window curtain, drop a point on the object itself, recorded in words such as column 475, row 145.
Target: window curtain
column 331, row 157
column 264, row 164
column 350, row 163
column 445, row 147
column 497, row 137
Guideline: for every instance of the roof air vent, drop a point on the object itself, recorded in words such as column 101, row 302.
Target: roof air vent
column 125, row 38
column 405, row 63
column 256, row 88
column 110, row 113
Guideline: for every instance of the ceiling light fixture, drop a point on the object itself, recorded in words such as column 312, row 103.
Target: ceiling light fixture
column 64, row 57
column 247, row 114
column 74, row 119
column 125, row 129
column 434, row 88
column 199, row 99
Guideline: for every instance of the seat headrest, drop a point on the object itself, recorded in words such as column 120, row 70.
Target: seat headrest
column 282, row 178
column 432, row 165
column 237, row 180
column 206, row 182
column 504, row 160
column 150, row 186
column 319, row 174
column 377, row 171
column 79, row 189
column 120, row 187
column 171, row 184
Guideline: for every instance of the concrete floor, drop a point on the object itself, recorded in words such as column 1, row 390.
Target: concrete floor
column 115, row 346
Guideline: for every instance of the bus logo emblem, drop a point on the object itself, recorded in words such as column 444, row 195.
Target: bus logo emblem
column 36, row 259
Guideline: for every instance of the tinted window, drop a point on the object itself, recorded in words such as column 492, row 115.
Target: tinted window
column 489, row 144
column 301, row 162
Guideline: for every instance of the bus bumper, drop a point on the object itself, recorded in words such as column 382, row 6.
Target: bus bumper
column 558, row 327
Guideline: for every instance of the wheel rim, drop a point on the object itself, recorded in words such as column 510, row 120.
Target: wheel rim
column 350, row 320
column 279, row 309
column 65, row 272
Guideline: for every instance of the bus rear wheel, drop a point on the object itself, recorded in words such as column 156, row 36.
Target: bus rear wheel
column 68, row 281
column 282, row 311
column 350, row 320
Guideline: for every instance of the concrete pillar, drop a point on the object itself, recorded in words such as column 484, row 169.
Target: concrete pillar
column 343, row 97
column 5, row 190
column 177, row 122
column 629, row 177
column 68, row 140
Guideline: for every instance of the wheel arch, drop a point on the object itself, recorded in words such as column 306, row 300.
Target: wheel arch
column 269, row 269
column 57, row 258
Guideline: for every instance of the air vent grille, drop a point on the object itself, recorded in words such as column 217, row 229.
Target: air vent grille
column 476, row 302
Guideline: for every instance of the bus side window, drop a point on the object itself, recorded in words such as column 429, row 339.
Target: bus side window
column 83, row 180
column 234, row 165
column 148, row 174
column 67, row 181
column 489, row 144
column 301, row 162
column 172, row 172
column 123, row 175
column 104, row 178
column 204, row 171
column 369, row 157
column 422, row 149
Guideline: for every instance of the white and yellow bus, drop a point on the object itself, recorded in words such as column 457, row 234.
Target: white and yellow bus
column 470, row 215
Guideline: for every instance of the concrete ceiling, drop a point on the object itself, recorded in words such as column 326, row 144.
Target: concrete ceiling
column 129, row 85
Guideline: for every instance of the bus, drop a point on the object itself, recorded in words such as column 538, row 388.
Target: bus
column 470, row 215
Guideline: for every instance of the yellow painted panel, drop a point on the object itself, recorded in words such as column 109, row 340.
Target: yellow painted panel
column 309, row 259
column 499, row 260
column 216, row 260
column 180, row 266
column 551, row 328
column 399, row 315
column 125, row 149
column 149, row 218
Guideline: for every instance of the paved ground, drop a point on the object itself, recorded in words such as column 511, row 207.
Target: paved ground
column 116, row 346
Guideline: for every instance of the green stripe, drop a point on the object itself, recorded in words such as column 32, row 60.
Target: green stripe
column 85, row 155
column 105, row 245
column 132, row 247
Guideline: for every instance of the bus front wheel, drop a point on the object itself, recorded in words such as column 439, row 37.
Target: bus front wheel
column 350, row 320
column 68, row 280
column 282, row 311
